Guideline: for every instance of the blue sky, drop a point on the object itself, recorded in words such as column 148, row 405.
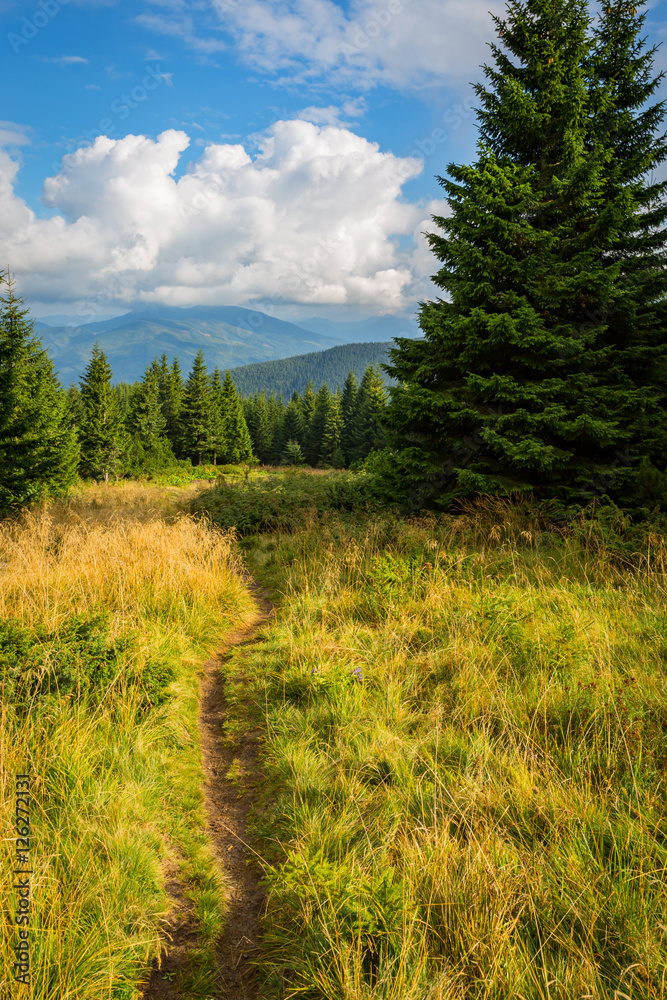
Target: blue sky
column 279, row 154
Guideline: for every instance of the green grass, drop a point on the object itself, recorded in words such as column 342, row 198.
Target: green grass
column 466, row 755
column 109, row 606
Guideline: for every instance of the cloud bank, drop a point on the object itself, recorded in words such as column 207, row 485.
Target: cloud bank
column 399, row 43
column 315, row 218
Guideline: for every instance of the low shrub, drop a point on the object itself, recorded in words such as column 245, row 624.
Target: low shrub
column 285, row 502
column 80, row 659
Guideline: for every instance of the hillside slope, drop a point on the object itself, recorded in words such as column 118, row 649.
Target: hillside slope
column 292, row 374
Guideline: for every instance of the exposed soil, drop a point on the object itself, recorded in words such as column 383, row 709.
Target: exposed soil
column 228, row 803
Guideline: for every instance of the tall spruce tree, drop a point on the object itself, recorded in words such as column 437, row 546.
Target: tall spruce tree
column 196, row 415
column 101, row 433
column 293, row 422
column 171, row 401
column 38, row 447
column 218, row 436
column 258, row 421
column 317, row 426
column 237, row 443
column 307, row 410
column 370, row 409
column 513, row 387
column 150, row 449
column 348, row 407
column 332, row 449
column 626, row 118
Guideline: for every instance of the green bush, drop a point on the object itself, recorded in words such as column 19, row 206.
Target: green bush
column 78, row 658
column 285, row 502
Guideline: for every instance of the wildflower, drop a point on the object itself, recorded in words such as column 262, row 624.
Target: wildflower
column 357, row 674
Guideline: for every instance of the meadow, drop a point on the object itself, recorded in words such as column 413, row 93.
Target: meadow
column 463, row 729
column 109, row 603
column 465, row 754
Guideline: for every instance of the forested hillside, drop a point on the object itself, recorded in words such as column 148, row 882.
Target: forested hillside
column 319, row 367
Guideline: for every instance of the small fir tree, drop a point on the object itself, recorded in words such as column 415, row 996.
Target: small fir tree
column 237, row 442
column 102, row 435
column 293, row 455
column 348, row 412
column 196, row 415
column 38, row 447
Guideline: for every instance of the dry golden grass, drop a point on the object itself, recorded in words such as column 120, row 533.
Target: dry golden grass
column 127, row 551
column 117, row 788
column 467, row 737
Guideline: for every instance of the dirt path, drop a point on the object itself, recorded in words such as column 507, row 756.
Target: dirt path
column 227, row 806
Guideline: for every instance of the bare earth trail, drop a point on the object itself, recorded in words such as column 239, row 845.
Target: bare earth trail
column 227, row 807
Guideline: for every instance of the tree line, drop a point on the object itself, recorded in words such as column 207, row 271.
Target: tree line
column 543, row 367
column 293, row 374
column 164, row 418
column 96, row 430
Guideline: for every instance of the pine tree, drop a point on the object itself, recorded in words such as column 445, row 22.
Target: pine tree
column 370, row 411
column 307, row 410
column 150, row 450
column 259, row 425
column 101, row 433
column 292, row 429
column 237, row 443
column 317, row 426
column 622, row 82
column 348, row 412
column 512, row 387
column 38, row 447
column 332, row 450
column 171, row 401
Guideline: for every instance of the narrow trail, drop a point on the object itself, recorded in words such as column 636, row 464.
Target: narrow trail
column 227, row 803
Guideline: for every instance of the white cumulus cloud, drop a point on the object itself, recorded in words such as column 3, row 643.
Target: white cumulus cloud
column 315, row 218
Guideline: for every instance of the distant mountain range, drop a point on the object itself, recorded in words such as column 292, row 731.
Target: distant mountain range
column 230, row 336
column 332, row 367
